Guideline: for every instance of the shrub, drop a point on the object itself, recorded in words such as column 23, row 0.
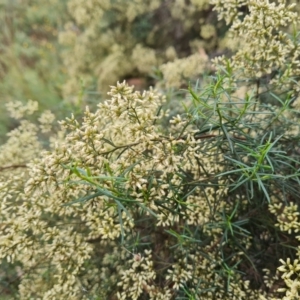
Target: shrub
column 131, row 203
column 30, row 66
column 116, row 40
column 143, row 210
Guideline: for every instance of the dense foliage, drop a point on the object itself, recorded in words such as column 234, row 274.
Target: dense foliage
column 30, row 63
column 134, row 200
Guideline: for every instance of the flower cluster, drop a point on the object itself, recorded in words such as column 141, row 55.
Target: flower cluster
column 265, row 39
column 129, row 201
column 133, row 38
column 176, row 72
column 117, row 176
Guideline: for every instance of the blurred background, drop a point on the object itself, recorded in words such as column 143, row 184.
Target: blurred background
column 66, row 53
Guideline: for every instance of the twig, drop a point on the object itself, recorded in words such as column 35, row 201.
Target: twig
column 12, row 167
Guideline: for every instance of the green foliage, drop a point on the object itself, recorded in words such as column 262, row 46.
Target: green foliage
column 30, row 66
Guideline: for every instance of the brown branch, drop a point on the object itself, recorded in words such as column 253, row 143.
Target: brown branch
column 13, row 167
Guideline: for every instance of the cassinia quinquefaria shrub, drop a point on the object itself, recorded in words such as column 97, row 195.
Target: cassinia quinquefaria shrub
column 103, row 212
column 267, row 59
column 30, row 63
column 266, row 42
column 122, row 208
column 113, row 40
